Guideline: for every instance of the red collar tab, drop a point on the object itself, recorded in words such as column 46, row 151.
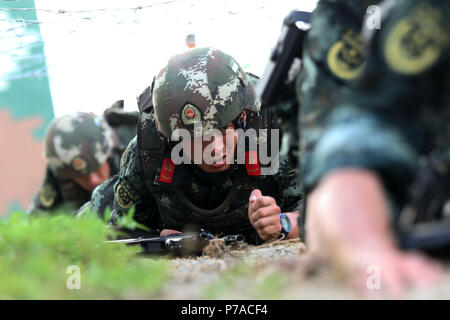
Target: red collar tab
column 252, row 163
column 167, row 171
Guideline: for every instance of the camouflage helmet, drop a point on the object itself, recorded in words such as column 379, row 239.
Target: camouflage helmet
column 203, row 84
column 78, row 144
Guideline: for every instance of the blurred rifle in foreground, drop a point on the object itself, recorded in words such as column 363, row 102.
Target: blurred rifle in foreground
column 180, row 244
column 424, row 224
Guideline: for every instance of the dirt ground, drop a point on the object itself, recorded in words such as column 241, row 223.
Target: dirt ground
column 279, row 270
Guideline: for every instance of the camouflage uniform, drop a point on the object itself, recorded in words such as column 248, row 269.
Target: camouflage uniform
column 208, row 87
column 333, row 57
column 76, row 145
column 394, row 120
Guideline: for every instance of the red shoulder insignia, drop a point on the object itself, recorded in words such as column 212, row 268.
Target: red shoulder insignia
column 167, row 171
column 252, row 163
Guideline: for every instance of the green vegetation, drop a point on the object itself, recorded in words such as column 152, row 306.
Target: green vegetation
column 41, row 256
column 36, row 254
column 246, row 281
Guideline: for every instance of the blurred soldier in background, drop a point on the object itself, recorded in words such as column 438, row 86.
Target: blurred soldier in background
column 82, row 151
column 208, row 88
column 379, row 161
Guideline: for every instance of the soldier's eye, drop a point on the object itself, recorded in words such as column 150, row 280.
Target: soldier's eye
column 229, row 126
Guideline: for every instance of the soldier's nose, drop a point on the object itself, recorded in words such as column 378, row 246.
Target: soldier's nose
column 218, row 145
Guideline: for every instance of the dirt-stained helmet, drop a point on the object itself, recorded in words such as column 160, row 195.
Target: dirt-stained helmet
column 205, row 85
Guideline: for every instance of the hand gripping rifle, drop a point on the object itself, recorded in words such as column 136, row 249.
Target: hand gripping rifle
column 180, row 244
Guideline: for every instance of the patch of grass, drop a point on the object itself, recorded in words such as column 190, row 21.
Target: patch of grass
column 270, row 286
column 246, row 281
column 36, row 255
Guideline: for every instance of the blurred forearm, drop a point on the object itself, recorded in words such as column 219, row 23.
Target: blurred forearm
column 348, row 210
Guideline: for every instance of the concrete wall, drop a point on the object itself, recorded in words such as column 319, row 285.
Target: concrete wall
column 25, row 108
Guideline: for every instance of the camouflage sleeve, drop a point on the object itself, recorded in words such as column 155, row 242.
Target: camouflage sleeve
column 335, row 26
column 375, row 125
column 333, row 58
column 49, row 196
column 130, row 190
column 354, row 138
column 289, row 187
column 74, row 196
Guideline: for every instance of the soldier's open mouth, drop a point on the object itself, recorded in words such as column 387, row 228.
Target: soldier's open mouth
column 219, row 163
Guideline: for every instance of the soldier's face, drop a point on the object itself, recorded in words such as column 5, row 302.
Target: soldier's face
column 90, row 181
column 220, row 148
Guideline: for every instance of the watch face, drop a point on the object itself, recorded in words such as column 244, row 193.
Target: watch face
column 285, row 222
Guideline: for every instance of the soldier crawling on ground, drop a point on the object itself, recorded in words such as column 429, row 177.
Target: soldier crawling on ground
column 207, row 89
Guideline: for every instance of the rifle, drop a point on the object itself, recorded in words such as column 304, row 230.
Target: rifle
column 288, row 47
column 180, row 244
column 277, row 86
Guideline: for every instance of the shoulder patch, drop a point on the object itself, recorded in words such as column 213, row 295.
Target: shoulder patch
column 47, row 195
column 416, row 42
column 346, row 57
column 125, row 195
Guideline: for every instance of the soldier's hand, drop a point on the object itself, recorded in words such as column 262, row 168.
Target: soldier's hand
column 389, row 273
column 264, row 215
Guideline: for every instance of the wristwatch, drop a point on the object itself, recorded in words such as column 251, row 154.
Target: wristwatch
column 286, row 225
